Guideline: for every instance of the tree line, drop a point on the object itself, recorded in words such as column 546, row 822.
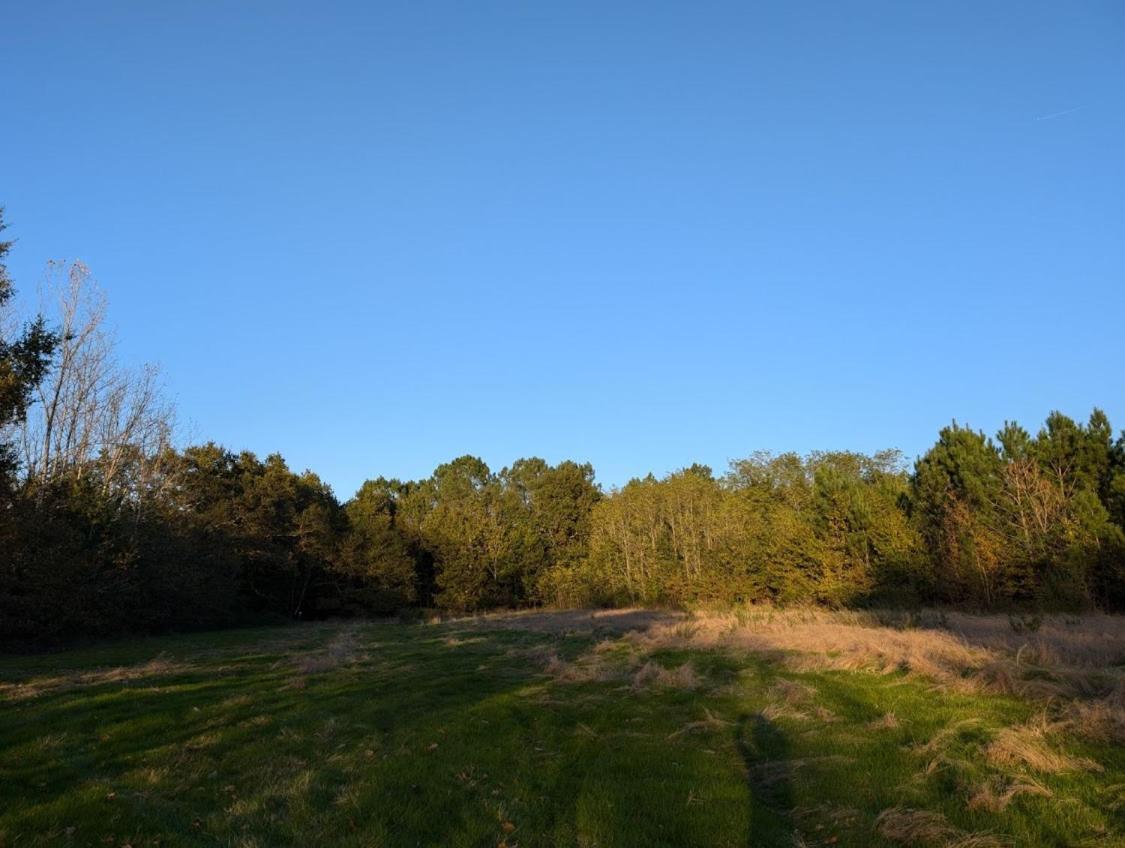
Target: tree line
column 108, row 526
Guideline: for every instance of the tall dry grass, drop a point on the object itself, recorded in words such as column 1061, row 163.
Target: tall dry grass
column 1075, row 665
column 1077, row 662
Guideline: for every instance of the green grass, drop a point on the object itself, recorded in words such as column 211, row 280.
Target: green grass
column 447, row 735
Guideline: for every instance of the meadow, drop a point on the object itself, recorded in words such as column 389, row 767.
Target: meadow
column 757, row 727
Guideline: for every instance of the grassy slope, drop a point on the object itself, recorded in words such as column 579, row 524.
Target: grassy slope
column 440, row 735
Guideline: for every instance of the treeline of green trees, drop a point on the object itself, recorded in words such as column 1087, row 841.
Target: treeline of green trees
column 1021, row 520
column 107, row 527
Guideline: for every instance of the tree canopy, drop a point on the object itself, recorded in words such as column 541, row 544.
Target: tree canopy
column 107, row 525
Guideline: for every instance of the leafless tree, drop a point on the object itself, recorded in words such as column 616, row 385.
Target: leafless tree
column 94, row 417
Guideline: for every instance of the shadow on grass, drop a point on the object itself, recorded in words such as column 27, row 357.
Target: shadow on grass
column 241, row 746
column 203, row 721
column 765, row 755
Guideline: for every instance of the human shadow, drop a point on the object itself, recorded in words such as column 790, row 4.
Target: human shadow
column 769, row 773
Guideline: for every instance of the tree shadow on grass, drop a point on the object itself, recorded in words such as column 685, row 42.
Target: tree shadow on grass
column 197, row 721
column 765, row 755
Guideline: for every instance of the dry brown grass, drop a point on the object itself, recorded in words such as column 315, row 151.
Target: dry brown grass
column 941, row 740
column 1066, row 655
column 573, row 622
column 776, row 771
column 1072, row 662
column 775, row 711
column 1030, row 746
column 837, row 816
column 709, row 722
column 158, row 667
column 995, row 795
column 1114, row 797
column 816, row 639
column 978, row 840
column 284, row 642
column 591, row 667
column 610, row 661
column 1067, row 664
column 655, row 675
column 1099, row 720
column 923, row 827
column 789, row 699
column 888, row 721
column 791, row 691
column 584, row 670
column 915, row 827
column 345, row 648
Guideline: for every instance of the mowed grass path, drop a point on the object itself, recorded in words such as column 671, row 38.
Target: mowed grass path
column 463, row 735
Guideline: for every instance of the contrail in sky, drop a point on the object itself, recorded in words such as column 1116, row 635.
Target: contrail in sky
column 1053, row 115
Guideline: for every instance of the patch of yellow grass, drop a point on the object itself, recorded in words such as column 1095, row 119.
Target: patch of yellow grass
column 1068, row 657
column 1028, row 746
column 815, row 640
column 1069, row 662
column 1065, row 656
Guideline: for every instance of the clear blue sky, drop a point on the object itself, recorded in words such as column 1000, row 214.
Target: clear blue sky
column 375, row 236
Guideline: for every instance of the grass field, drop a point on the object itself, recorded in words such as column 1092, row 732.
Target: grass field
column 557, row 729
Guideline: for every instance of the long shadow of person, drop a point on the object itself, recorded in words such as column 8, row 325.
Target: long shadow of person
column 765, row 755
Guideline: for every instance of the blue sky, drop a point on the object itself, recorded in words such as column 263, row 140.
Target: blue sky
column 375, row 236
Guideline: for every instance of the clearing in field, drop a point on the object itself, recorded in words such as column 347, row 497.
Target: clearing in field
column 628, row 728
